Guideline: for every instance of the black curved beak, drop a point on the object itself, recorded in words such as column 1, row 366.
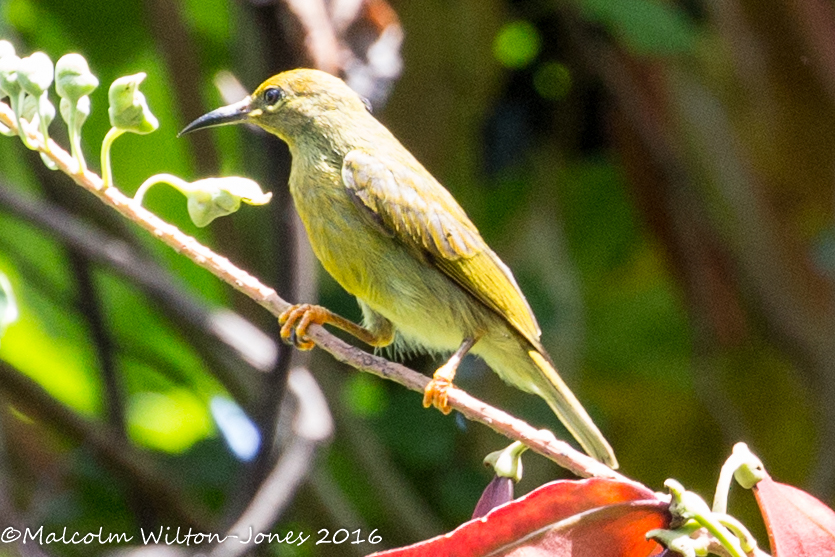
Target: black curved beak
column 231, row 114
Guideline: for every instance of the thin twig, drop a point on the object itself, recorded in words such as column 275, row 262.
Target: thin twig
column 540, row 441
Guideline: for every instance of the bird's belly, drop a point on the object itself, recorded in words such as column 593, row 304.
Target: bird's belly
column 427, row 308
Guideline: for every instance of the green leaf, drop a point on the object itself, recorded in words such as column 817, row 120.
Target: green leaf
column 172, row 421
column 47, row 345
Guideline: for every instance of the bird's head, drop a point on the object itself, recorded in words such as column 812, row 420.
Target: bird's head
column 290, row 104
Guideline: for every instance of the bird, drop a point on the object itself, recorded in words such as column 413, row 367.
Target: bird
column 392, row 236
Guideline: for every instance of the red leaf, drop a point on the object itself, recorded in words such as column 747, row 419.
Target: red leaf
column 604, row 518
column 798, row 524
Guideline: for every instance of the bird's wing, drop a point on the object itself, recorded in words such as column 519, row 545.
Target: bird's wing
column 405, row 202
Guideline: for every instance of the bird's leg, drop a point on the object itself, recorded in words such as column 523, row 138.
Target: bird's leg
column 435, row 393
column 296, row 319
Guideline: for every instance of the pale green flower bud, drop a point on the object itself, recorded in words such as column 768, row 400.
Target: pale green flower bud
column 81, row 109
column 73, row 78
column 35, row 73
column 6, row 49
column 8, row 76
column 29, row 109
column 216, row 197
column 45, row 110
column 128, row 108
column 244, row 189
column 210, row 198
column 36, row 107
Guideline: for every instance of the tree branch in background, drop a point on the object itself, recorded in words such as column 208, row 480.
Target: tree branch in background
column 90, row 305
column 225, row 348
column 312, row 425
column 144, row 476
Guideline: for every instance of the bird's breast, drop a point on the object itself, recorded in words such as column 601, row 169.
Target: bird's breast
column 344, row 244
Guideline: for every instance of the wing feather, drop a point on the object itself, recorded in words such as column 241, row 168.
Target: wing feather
column 404, row 201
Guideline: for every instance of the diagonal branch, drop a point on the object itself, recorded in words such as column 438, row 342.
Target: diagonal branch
column 540, row 441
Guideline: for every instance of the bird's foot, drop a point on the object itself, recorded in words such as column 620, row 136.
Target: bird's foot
column 295, row 321
column 435, row 393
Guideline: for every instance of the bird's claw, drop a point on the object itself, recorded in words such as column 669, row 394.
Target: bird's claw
column 436, row 392
column 296, row 319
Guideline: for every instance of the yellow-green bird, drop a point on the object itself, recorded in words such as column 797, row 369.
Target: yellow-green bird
column 392, row 236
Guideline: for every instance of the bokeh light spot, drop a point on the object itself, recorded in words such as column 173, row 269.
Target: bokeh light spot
column 552, row 80
column 517, row 44
column 364, row 395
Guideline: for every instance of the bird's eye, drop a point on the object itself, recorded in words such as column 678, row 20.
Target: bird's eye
column 273, row 95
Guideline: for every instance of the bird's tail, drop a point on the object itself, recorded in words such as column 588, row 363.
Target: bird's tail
column 568, row 409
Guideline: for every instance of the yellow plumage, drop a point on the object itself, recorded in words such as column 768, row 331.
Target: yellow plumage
column 392, row 236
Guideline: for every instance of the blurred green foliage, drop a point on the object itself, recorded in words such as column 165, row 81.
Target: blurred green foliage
column 646, row 27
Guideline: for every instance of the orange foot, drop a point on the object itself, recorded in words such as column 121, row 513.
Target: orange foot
column 296, row 319
column 435, row 393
